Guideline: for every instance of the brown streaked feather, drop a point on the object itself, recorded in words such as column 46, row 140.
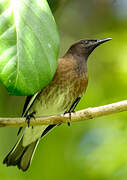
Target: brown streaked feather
column 66, row 77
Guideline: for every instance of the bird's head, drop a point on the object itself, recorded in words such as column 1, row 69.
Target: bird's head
column 84, row 47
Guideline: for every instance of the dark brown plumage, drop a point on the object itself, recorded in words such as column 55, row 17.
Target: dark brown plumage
column 61, row 95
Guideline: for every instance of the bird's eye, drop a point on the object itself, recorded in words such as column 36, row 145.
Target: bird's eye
column 86, row 42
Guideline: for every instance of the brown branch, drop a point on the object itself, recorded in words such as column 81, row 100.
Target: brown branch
column 82, row 115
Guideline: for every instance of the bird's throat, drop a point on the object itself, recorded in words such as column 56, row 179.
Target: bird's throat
column 81, row 65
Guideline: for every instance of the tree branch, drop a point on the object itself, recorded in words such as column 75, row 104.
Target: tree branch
column 82, row 115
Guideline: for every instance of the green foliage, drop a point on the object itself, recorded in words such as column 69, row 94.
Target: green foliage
column 29, row 45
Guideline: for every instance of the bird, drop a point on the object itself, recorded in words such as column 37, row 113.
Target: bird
column 60, row 96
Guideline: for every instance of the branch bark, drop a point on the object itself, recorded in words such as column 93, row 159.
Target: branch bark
column 82, row 115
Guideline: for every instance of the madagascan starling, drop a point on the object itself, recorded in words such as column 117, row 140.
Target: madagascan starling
column 61, row 95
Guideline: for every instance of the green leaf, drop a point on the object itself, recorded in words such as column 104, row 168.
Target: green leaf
column 29, row 45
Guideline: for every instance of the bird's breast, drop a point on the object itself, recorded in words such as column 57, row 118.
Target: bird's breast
column 62, row 91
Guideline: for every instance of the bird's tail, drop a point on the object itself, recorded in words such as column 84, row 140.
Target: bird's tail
column 21, row 156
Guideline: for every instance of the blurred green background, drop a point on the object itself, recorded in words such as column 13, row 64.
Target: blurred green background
column 95, row 149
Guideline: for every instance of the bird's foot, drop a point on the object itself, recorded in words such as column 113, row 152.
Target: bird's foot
column 69, row 112
column 28, row 117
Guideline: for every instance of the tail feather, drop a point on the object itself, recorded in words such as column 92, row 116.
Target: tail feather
column 21, row 156
column 22, row 153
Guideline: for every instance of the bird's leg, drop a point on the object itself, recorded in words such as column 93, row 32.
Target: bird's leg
column 28, row 117
column 75, row 104
column 72, row 108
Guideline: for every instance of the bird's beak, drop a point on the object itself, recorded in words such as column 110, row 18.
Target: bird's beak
column 101, row 41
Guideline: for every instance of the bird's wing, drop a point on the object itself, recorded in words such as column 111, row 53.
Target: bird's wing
column 28, row 103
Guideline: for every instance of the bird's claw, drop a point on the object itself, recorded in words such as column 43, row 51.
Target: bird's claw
column 69, row 112
column 28, row 117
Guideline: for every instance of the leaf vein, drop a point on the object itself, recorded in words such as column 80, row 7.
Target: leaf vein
column 29, row 54
column 46, row 54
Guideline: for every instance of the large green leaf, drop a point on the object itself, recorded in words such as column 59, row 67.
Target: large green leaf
column 29, row 45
